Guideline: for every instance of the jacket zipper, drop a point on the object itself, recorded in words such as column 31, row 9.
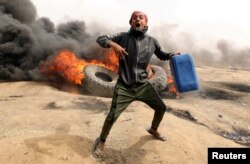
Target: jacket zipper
column 137, row 59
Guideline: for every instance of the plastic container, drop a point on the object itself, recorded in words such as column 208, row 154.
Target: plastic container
column 184, row 73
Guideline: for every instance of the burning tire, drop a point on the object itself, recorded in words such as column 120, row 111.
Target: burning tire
column 159, row 78
column 99, row 81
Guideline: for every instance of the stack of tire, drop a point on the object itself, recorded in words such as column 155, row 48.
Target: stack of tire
column 100, row 81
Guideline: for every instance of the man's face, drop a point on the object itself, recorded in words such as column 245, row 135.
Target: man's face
column 138, row 20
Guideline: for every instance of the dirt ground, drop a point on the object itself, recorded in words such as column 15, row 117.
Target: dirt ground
column 41, row 124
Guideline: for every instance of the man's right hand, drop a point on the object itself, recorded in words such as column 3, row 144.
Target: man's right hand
column 120, row 51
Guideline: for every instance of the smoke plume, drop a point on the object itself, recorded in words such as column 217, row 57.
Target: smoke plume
column 224, row 54
column 26, row 41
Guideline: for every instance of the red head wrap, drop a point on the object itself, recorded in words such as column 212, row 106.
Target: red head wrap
column 138, row 12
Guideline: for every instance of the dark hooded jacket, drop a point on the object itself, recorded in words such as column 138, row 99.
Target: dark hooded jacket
column 140, row 48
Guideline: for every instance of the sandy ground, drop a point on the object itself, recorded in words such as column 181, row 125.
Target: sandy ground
column 40, row 124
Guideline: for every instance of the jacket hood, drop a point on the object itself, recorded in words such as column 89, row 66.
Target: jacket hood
column 138, row 32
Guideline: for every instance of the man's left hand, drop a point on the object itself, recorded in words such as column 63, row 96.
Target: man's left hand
column 175, row 53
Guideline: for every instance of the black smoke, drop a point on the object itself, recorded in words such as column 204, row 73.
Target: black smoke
column 26, row 41
column 21, row 10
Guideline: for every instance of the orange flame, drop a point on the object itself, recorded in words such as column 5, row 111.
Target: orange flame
column 170, row 82
column 69, row 67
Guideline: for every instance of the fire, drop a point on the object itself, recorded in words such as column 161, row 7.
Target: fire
column 171, row 87
column 68, row 66
column 112, row 61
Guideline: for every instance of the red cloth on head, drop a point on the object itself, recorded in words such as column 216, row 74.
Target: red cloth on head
column 138, row 12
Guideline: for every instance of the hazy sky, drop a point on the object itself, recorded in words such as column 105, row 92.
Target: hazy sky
column 217, row 19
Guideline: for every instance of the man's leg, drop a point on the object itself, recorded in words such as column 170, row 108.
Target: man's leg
column 121, row 99
column 152, row 98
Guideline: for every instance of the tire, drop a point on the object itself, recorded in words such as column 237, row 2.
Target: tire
column 99, row 81
column 159, row 80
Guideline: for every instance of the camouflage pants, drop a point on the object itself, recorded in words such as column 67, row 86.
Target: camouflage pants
column 124, row 95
